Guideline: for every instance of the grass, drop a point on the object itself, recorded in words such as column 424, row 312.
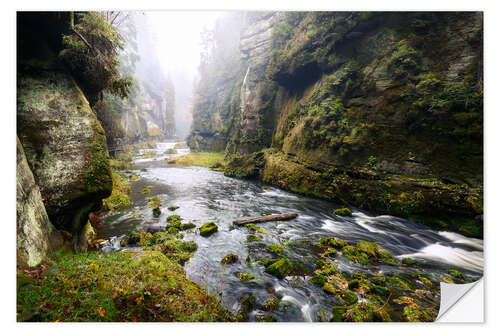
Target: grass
column 203, row 159
column 120, row 286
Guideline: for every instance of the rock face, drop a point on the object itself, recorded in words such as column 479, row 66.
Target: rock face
column 380, row 110
column 63, row 140
column 36, row 236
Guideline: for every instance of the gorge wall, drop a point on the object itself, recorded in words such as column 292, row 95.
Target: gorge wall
column 379, row 110
column 63, row 161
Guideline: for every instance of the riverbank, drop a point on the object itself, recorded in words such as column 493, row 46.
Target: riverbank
column 140, row 285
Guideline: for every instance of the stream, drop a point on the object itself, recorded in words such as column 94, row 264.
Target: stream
column 204, row 195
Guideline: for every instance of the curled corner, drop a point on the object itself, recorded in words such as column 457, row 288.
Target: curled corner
column 456, row 296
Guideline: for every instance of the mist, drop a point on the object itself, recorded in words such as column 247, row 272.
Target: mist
column 169, row 45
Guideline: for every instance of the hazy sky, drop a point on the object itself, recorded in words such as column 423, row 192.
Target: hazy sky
column 177, row 37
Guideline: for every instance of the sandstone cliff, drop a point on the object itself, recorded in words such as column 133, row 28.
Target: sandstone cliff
column 379, row 110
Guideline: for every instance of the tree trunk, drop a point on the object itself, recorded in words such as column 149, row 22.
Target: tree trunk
column 267, row 218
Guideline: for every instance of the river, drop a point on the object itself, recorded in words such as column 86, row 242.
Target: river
column 204, row 195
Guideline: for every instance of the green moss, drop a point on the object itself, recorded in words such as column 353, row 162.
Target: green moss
column 331, row 253
column 230, row 258
column 455, row 273
column 266, row 318
column 266, row 261
column 98, row 175
column 208, row 229
column 270, row 304
column 318, row 280
column 172, row 208
column 348, row 297
column 354, row 254
column 172, row 230
column 338, row 312
column 119, row 197
column 409, row 261
column 254, row 228
column 253, row 238
column 276, row 248
column 119, row 286
column 353, row 284
column 174, row 220
column 246, row 276
column 344, row 211
column 280, row 268
column 154, row 202
column 187, row 226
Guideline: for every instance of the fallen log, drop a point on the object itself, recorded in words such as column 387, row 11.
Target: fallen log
column 267, row 218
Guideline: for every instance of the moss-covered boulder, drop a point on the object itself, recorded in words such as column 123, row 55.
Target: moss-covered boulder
column 344, row 211
column 230, row 258
column 64, row 142
column 208, row 229
column 246, row 276
column 280, row 268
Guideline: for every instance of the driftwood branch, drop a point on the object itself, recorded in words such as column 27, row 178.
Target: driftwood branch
column 267, row 218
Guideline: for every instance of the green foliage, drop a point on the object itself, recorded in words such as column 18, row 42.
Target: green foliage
column 92, row 54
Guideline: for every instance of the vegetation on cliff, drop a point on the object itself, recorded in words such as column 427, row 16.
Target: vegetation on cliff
column 364, row 109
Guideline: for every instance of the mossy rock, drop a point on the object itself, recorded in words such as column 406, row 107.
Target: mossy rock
column 329, row 288
column 266, row 261
column 380, row 290
column 276, row 248
column 337, row 312
column 456, row 274
column 230, row 258
column 132, row 239
column 246, row 277
column 172, row 208
column 187, row 226
column 353, row 284
column 331, row 253
column 174, row 220
column 253, row 238
column 208, row 229
column 156, row 212
column 409, row 261
column 369, row 248
column 254, row 228
column 344, row 211
column 280, row 268
column 270, row 304
column 266, row 318
column 355, row 254
column 349, row 297
column 379, row 280
column 318, row 280
column 329, row 269
column 332, row 242
column 172, row 230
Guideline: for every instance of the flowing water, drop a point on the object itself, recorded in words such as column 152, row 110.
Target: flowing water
column 204, row 195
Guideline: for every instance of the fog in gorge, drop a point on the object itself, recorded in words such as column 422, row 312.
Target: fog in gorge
column 169, row 45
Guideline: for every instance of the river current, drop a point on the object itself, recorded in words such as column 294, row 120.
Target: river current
column 204, row 195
